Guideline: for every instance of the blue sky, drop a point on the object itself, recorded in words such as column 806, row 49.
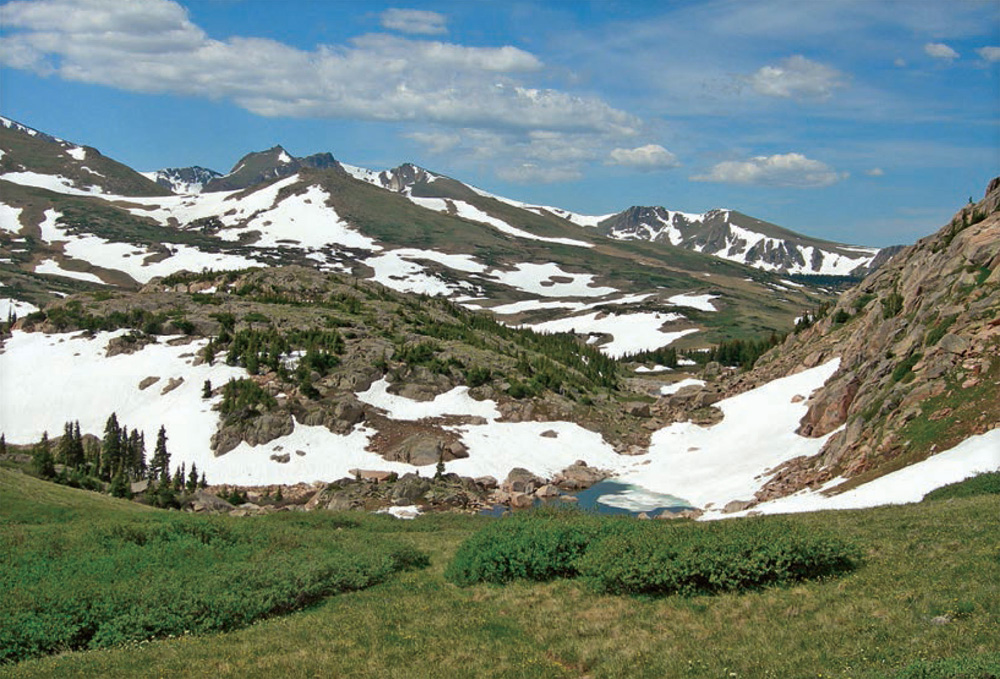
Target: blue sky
column 853, row 120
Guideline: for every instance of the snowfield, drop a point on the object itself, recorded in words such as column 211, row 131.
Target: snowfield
column 630, row 333
column 49, row 379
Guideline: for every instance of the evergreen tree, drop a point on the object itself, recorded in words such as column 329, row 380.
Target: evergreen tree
column 137, row 454
column 178, row 479
column 279, row 496
column 120, row 486
column 192, row 479
column 159, row 466
column 206, row 390
column 203, row 482
column 41, row 458
column 3, row 444
column 164, row 495
column 76, row 453
column 111, row 449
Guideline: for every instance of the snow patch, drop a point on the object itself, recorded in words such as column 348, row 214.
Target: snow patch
column 10, row 218
column 51, row 266
column 631, row 333
column 77, row 152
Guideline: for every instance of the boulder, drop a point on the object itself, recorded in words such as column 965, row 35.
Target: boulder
column 579, row 476
column 418, row 449
column 409, row 488
column 522, row 481
column 203, row 501
column 637, row 409
column 736, row 506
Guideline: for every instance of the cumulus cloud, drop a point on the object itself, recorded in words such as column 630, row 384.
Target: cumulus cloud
column 797, row 78
column 939, row 50
column 415, row 21
column 990, row 54
column 152, row 46
column 875, row 172
column 647, row 158
column 790, row 170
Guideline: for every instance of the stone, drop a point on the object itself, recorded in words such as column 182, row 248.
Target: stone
column 579, row 476
column 521, row 500
column 420, row 449
column 373, row 475
column 148, row 381
column 547, row 491
column 953, row 344
column 487, row 482
column 520, row 480
column 409, row 488
column 683, row 514
column 736, row 506
column 281, row 458
column 549, row 434
column 172, row 384
column 203, row 501
column 637, row 409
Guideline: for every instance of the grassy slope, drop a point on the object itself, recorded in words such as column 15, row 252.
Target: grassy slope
column 921, row 561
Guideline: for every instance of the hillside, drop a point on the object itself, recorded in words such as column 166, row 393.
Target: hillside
column 910, row 610
column 918, row 345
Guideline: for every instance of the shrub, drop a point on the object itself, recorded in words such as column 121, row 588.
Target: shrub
column 654, row 558
column 120, row 581
column 892, row 304
column 981, row 484
column 728, row 556
column 534, row 546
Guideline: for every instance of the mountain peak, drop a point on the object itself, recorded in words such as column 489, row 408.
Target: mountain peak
column 259, row 167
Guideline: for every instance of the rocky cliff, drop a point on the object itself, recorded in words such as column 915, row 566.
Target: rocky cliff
column 919, row 349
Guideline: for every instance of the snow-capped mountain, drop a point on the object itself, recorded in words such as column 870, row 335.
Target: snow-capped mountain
column 183, row 179
column 266, row 166
column 727, row 234
column 740, row 238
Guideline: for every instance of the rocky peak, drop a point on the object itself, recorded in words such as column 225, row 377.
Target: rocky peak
column 919, row 344
column 265, row 166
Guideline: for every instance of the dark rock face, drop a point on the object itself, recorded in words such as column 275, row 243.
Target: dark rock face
column 265, row 166
column 254, row 429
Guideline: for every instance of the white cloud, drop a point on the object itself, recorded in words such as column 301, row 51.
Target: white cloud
column 414, row 21
column 790, row 169
column 875, row 172
column 648, row 157
column 152, row 46
column 797, row 78
column 899, row 62
column 939, row 50
column 990, row 54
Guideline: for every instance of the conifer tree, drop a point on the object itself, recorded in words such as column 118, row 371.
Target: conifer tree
column 111, row 449
column 203, row 482
column 3, row 444
column 41, row 458
column 192, row 479
column 159, row 466
column 137, row 454
column 178, row 479
column 206, row 390
column 120, row 487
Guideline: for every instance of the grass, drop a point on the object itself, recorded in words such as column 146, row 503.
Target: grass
column 920, row 561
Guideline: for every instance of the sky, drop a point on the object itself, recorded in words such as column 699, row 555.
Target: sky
column 859, row 121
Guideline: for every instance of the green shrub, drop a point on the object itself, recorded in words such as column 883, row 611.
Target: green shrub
column 67, row 588
column 841, row 317
column 533, row 546
column 655, row 558
column 939, row 330
column 892, row 304
column 904, row 368
column 981, row 484
column 728, row 556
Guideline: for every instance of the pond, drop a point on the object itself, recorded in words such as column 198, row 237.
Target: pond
column 614, row 497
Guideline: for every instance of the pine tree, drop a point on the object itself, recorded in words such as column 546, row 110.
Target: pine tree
column 77, row 457
column 159, row 466
column 206, row 390
column 203, row 482
column 137, row 454
column 41, row 458
column 3, row 444
column 111, row 449
column 164, row 495
column 178, row 480
column 120, row 487
column 192, row 479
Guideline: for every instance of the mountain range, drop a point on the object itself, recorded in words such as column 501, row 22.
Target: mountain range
column 348, row 305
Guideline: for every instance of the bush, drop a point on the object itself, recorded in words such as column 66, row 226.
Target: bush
column 728, row 556
column 534, row 546
column 655, row 558
column 981, row 484
column 120, row 581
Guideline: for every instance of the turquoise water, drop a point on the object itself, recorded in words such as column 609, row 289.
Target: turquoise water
column 613, row 497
